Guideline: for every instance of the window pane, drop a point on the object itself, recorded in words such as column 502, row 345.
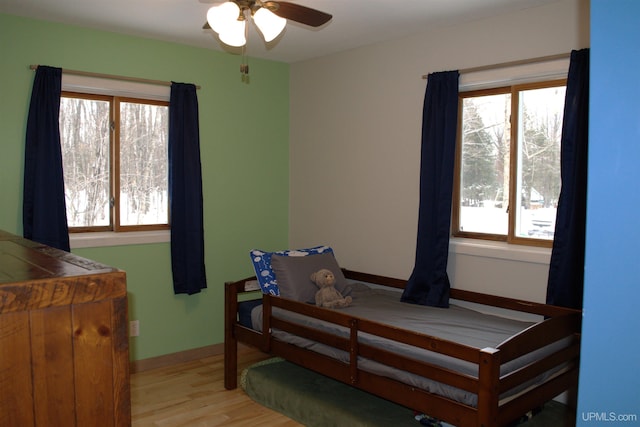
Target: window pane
column 484, row 191
column 143, row 164
column 84, row 135
column 538, row 180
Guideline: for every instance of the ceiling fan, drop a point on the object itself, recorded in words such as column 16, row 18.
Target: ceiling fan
column 229, row 19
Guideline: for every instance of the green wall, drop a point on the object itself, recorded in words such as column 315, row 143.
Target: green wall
column 244, row 148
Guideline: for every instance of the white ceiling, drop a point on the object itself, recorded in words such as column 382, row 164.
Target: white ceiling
column 355, row 22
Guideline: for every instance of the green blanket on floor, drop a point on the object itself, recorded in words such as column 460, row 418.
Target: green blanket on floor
column 318, row 401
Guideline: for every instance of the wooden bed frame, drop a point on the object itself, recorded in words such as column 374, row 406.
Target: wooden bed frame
column 559, row 323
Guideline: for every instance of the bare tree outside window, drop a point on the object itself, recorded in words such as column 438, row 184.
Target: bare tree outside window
column 143, row 165
column 485, row 148
column 115, row 161
column 540, row 132
column 85, row 136
column 509, row 163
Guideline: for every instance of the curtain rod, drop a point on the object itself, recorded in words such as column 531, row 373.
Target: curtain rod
column 112, row 77
column 512, row 63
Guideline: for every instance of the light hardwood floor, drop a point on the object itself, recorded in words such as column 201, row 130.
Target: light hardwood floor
column 192, row 394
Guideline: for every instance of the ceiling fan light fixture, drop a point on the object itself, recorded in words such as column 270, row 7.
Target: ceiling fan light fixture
column 222, row 16
column 229, row 21
column 234, row 34
column 269, row 24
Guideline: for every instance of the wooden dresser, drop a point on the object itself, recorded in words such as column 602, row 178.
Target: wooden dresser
column 64, row 347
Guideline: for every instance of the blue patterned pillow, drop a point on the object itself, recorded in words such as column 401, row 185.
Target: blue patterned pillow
column 262, row 265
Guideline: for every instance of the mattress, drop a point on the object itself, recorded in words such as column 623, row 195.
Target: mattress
column 458, row 324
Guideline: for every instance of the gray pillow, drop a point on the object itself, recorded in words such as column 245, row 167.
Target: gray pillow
column 293, row 274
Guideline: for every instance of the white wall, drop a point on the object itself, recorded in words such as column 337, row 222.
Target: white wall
column 355, row 145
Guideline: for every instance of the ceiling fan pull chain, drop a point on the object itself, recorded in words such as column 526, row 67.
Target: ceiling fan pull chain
column 244, row 67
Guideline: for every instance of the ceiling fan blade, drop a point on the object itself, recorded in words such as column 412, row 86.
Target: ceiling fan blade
column 302, row 14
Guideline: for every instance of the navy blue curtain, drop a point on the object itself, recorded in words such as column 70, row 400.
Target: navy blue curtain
column 44, row 213
column 429, row 282
column 185, row 191
column 566, row 270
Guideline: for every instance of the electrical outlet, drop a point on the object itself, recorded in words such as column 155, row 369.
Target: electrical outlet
column 134, row 328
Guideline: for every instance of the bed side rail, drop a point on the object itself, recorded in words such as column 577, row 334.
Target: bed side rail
column 374, row 278
column 470, row 296
column 348, row 342
column 512, row 303
column 427, row 342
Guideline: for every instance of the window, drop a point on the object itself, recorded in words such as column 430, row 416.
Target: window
column 508, row 163
column 115, row 161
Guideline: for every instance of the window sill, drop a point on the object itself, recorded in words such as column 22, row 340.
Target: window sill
column 96, row 240
column 500, row 250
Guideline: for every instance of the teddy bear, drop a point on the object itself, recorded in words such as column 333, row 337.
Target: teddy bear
column 328, row 296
